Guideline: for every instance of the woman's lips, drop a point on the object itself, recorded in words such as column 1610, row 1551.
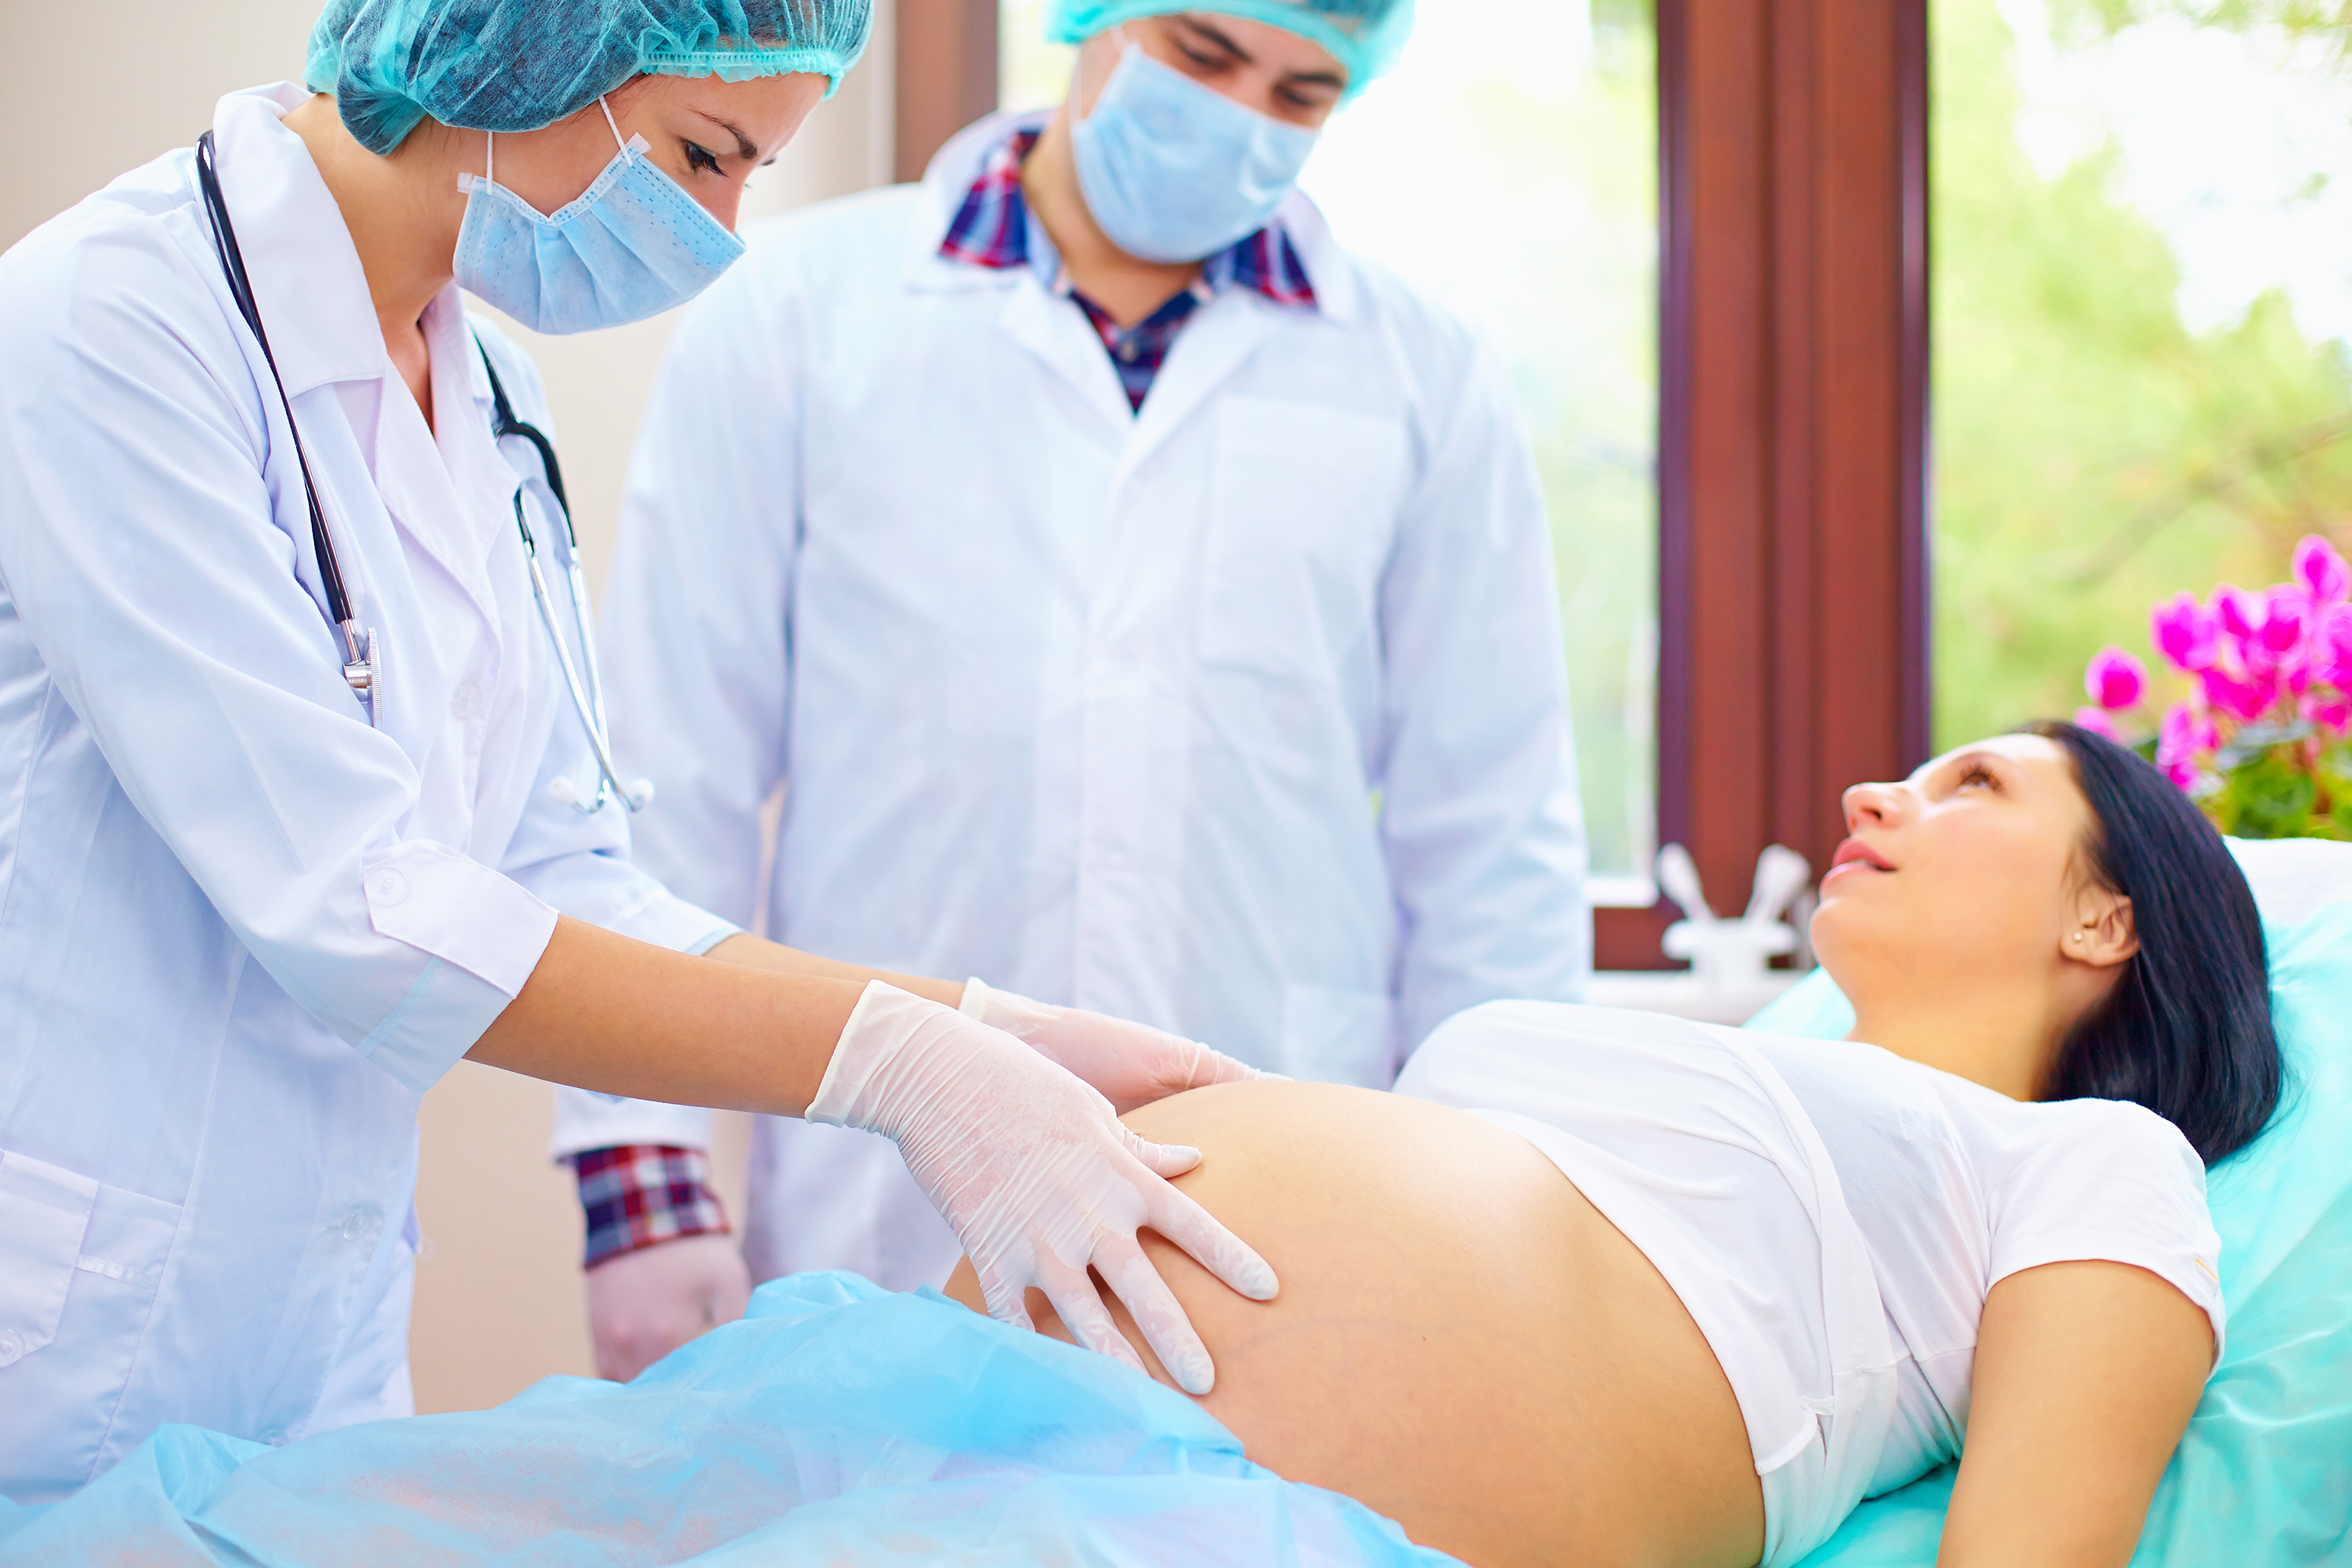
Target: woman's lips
column 1854, row 855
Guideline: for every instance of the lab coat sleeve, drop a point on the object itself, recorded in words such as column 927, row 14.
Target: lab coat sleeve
column 159, row 573
column 1480, row 816
column 697, row 626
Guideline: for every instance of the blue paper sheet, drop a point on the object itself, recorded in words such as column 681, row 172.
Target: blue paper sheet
column 837, row 1422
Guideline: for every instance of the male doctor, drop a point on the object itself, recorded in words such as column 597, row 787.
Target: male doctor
column 1132, row 593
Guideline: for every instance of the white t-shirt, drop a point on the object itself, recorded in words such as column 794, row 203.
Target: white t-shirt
column 1832, row 1216
column 1956, row 1186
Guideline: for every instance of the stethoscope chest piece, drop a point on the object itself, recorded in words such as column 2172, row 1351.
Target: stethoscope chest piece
column 360, row 671
column 637, row 797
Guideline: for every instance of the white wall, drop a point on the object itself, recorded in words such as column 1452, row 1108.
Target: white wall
column 499, row 1302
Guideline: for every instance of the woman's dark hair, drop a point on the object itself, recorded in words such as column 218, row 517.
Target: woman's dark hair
column 2187, row 1032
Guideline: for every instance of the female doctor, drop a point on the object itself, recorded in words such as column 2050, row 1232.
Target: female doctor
column 304, row 792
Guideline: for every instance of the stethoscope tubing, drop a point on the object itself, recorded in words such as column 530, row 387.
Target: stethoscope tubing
column 583, row 680
column 359, row 666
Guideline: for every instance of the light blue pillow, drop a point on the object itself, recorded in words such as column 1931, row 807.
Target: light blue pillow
column 2263, row 1478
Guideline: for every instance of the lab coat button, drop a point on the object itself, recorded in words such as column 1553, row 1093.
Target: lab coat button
column 358, row 1225
column 466, row 701
column 386, row 887
column 12, row 1347
column 273, row 1436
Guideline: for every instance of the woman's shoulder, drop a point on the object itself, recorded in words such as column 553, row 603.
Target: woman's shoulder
column 138, row 218
column 120, row 296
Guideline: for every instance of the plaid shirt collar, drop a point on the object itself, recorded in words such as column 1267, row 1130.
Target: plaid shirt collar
column 995, row 228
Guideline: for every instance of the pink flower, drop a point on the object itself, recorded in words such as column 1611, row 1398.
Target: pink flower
column 2321, row 572
column 2185, row 632
column 2332, row 646
column 2286, row 616
column 2245, row 699
column 2116, row 680
column 2096, row 721
column 2332, row 714
column 2241, row 613
column 2182, row 736
column 2281, row 644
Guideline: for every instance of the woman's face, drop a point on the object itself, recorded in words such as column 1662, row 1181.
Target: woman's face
column 1968, row 876
column 705, row 133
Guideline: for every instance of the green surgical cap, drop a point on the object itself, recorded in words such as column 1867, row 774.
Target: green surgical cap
column 1364, row 36
column 516, row 64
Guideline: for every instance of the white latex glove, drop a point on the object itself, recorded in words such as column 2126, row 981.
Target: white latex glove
column 645, row 1303
column 1035, row 1171
column 1133, row 1064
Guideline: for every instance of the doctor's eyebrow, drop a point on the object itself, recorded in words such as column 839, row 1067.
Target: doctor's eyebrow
column 744, row 146
column 1211, row 34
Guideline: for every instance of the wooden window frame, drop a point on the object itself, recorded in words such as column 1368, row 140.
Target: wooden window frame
column 1792, row 439
column 945, row 76
column 1793, row 454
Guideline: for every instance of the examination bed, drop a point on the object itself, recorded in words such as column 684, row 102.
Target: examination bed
column 838, row 1423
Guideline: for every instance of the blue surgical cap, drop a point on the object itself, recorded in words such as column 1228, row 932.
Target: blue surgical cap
column 516, row 64
column 1364, row 36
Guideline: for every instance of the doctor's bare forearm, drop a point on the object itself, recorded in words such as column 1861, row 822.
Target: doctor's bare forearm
column 604, row 1012
column 752, row 952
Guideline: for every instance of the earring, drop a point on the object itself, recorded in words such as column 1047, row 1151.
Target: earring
column 2078, row 936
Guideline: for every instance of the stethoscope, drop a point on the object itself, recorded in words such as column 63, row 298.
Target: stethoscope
column 360, row 669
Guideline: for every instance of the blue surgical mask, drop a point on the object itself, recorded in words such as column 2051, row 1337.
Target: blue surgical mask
column 1175, row 172
column 631, row 246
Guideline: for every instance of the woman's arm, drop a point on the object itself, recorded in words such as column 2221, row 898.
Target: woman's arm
column 2086, row 1374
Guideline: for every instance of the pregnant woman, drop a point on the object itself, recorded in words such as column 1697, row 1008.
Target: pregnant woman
column 1781, row 1275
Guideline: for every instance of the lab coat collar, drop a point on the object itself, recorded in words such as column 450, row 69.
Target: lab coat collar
column 955, row 166
column 1214, row 344
column 306, row 278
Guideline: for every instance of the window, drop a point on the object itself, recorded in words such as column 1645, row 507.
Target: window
column 1518, row 187
column 2143, row 251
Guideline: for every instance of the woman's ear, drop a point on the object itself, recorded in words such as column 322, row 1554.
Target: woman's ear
column 2102, row 935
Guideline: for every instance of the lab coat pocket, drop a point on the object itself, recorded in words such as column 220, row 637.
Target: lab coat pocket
column 43, row 1215
column 79, row 1263
column 1334, row 1035
column 1303, row 504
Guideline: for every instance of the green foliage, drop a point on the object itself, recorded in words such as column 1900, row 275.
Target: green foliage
column 1636, row 16
column 2092, row 456
column 2282, row 792
column 2326, row 18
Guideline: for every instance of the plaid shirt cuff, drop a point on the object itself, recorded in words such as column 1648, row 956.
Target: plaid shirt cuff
column 643, row 1193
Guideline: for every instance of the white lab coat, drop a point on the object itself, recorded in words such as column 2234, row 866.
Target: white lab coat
column 1243, row 716
column 241, row 928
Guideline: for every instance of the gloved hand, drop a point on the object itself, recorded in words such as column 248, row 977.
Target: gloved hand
column 1035, row 1171
column 645, row 1303
column 1133, row 1064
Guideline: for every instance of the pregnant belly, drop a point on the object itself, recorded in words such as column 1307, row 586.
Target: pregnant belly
column 1462, row 1341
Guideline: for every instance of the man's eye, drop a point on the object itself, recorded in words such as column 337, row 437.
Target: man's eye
column 1979, row 776
column 701, row 159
